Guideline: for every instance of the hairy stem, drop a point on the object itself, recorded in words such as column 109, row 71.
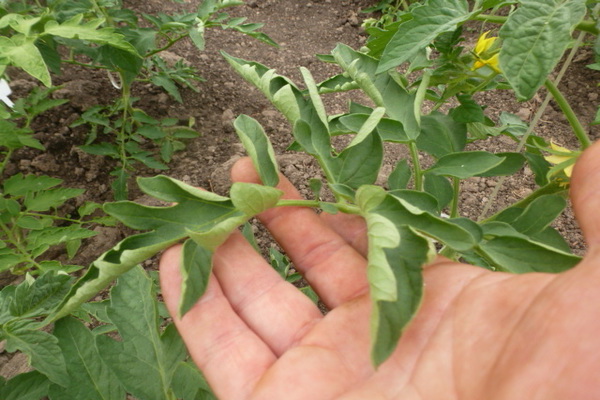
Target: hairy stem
column 455, row 197
column 343, row 207
column 414, row 153
column 564, row 105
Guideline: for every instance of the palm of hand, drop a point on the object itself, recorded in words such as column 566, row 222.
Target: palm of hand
column 478, row 334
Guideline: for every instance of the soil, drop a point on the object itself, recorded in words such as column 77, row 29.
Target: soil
column 302, row 29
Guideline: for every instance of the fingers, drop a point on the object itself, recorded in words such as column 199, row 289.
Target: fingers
column 231, row 356
column 352, row 228
column 585, row 193
column 333, row 268
column 274, row 309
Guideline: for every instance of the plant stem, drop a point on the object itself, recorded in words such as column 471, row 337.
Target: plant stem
column 455, row 197
column 414, row 153
column 586, row 26
column 17, row 243
column 564, row 105
column 5, row 160
column 54, row 217
column 343, row 207
column 170, row 43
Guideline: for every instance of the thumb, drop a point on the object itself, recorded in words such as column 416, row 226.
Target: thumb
column 585, row 193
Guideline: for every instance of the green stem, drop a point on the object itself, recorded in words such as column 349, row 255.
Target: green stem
column 585, row 26
column 564, row 105
column 343, row 207
column 455, row 197
column 54, row 217
column 14, row 240
column 5, row 160
column 414, row 153
column 485, row 82
column 91, row 66
column 170, row 43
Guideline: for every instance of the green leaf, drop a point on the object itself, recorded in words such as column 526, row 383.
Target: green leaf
column 429, row 20
column 441, row 135
column 40, row 296
column 89, row 376
column 538, row 214
column 189, row 384
column 465, row 164
column 520, row 255
column 468, row 111
column 196, row 265
column 359, row 165
column 400, row 176
column 512, row 163
column 440, row 188
column 259, row 148
column 19, row 185
column 42, row 350
column 73, row 28
column 205, row 217
column 27, row 386
column 396, row 255
column 252, row 199
column 52, row 198
column 144, row 361
column 369, row 125
column 390, row 130
column 534, row 39
column 22, row 53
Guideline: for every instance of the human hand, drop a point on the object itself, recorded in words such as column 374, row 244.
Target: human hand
column 478, row 334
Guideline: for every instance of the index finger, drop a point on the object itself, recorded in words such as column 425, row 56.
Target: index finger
column 327, row 261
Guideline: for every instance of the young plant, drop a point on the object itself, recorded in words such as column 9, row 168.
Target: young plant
column 31, row 224
column 104, row 35
column 148, row 361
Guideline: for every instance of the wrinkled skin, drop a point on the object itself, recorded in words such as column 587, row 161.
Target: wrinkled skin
column 478, row 334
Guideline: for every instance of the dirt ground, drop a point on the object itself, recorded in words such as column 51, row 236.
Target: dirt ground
column 302, row 29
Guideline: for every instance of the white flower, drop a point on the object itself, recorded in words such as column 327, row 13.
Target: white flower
column 5, row 92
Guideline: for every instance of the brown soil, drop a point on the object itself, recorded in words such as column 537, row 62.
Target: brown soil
column 302, row 29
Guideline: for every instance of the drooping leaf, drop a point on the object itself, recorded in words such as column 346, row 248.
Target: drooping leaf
column 395, row 258
column 259, row 148
column 205, row 217
column 89, row 377
column 534, row 39
column 196, row 265
column 521, row 255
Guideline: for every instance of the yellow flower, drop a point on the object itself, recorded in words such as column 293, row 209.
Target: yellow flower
column 486, row 53
column 484, row 43
column 563, row 159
